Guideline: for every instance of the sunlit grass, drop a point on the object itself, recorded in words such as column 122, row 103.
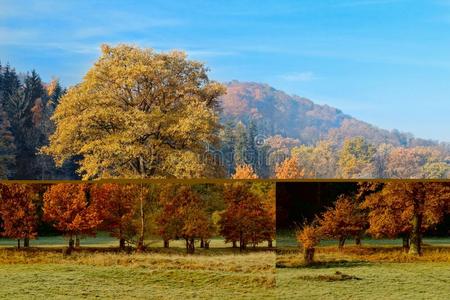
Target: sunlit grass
column 220, row 274
column 379, row 269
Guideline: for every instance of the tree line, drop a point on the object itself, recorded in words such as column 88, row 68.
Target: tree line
column 382, row 210
column 242, row 213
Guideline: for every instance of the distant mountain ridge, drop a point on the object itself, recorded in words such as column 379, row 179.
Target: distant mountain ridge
column 297, row 117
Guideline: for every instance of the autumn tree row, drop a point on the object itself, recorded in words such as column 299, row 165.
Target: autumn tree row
column 244, row 215
column 391, row 210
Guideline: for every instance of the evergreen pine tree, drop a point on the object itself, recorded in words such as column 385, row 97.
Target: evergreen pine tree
column 6, row 146
column 240, row 146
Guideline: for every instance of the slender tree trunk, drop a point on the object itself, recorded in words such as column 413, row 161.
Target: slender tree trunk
column 166, row 243
column 341, row 243
column 234, row 244
column 202, row 243
column 207, row 244
column 308, row 255
column 77, row 241
column 415, row 247
column 71, row 243
column 26, row 242
column 18, row 243
column 269, row 243
column 190, row 245
column 358, row 240
column 405, row 240
column 140, row 246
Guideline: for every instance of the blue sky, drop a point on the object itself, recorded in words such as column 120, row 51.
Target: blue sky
column 386, row 62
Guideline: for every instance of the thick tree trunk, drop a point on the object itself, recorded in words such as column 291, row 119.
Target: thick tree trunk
column 202, row 243
column 270, row 244
column 18, row 243
column 207, row 244
column 242, row 243
column 166, row 243
column 121, row 243
column 26, row 242
column 358, row 241
column 405, row 240
column 234, row 244
column 308, row 255
column 415, row 247
column 341, row 243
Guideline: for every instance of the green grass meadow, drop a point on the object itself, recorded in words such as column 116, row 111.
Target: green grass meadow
column 377, row 270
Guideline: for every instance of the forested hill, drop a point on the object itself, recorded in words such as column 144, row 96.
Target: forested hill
column 278, row 113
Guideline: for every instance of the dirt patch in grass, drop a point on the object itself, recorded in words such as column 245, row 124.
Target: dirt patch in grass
column 337, row 276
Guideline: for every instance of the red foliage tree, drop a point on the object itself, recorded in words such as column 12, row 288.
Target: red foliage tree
column 67, row 207
column 407, row 209
column 116, row 205
column 183, row 216
column 18, row 212
column 245, row 219
column 342, row 221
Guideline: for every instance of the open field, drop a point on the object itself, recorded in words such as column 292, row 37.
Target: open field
column 378, row 269
column 220, row 274
column 366, row 280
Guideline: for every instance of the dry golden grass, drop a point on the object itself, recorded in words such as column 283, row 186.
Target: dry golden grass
column 248, row 263
column 331, row 255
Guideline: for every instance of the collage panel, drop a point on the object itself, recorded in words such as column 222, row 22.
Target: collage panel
column 360, row 240
column 137, row 240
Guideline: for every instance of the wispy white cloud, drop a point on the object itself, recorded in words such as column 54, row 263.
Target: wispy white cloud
column 299, row 76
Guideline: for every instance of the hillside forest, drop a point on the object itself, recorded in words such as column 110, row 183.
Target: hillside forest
column 138, row 113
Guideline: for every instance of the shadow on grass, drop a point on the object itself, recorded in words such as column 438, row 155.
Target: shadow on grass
column 326, row 264
column 132, row 250
column 337, row 276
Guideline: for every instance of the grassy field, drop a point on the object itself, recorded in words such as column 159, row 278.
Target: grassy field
column 93, row 271
column 377, row 270
column 218, row 275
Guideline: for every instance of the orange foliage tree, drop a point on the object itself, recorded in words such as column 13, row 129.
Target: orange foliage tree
column 244, row 172
column 407, row 209
column 343, row 221
column 67, row 207
column 116, row 205
column 308, row 237
column 245, row 219
column 289, row 169
column 18, row 212
column 183, row 216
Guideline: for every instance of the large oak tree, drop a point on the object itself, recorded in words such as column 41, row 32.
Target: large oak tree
column 138, row 113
